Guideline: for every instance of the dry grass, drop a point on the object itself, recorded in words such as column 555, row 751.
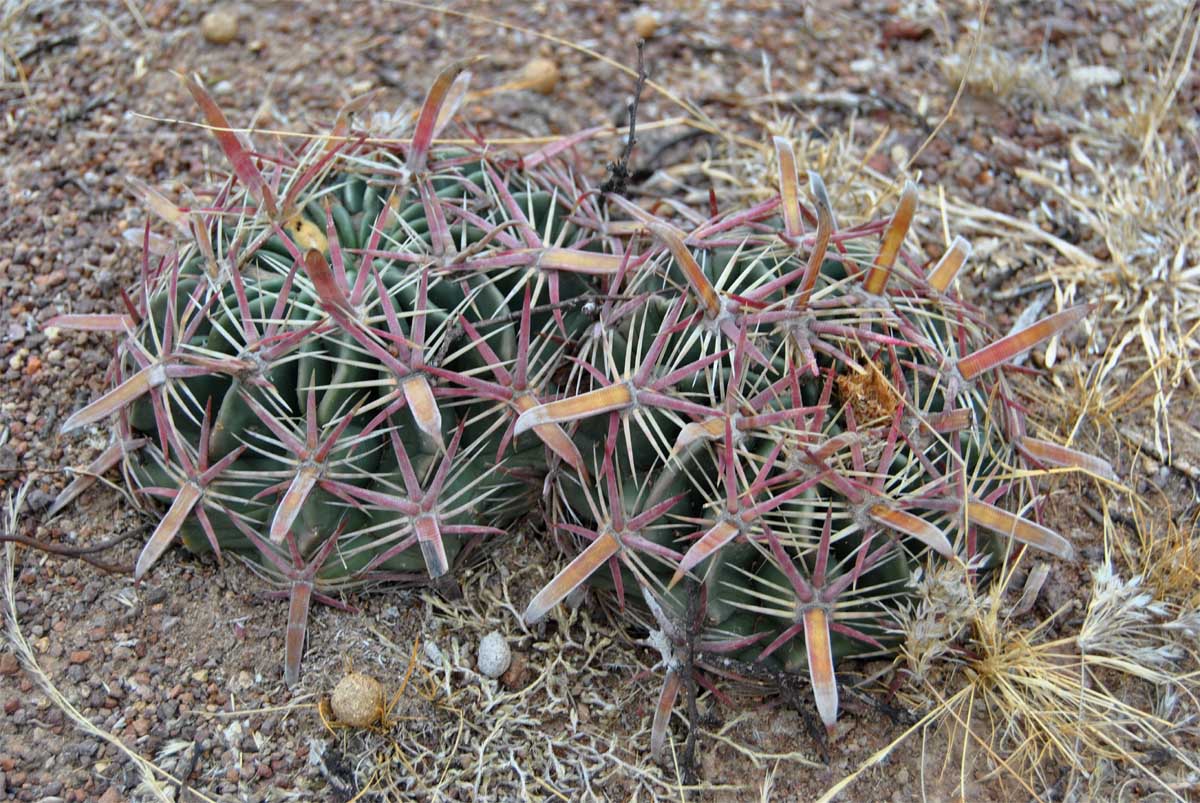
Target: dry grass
column 1000, row 74
column 1148, row 215
column 1132, row 192
column 14, row 38
column 1057, row 707
column 1169, row 559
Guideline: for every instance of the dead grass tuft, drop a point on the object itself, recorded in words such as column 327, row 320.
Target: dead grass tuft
column 1049, row 709
column 1131, row 193
column 998, row 74
column 15, row 38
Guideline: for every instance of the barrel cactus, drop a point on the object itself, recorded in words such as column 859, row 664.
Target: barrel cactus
column 756, row 426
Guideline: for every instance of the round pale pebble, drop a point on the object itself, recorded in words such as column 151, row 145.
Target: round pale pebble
column 357, row 700
column 494, row 655
column 541, row 75
column 219, row 26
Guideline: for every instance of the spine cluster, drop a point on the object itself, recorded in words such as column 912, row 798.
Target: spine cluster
column 353, row 359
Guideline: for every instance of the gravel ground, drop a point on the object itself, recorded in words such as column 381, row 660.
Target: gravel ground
column 185, row 669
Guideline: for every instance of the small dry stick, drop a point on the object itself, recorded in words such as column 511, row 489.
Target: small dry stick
column 83, row 553
column 567, row 303
column 618, row 171
column 790, row 687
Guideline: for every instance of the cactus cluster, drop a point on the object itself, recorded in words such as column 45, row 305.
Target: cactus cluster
column 356, row 357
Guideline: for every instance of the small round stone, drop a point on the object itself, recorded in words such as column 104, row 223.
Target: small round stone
column 541, row 75
column 494, row 655
column 1110, row 43
column 219, row 26
column 645, row 24
column 357, row 700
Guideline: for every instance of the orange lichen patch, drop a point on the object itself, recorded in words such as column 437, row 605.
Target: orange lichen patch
column 868, row 394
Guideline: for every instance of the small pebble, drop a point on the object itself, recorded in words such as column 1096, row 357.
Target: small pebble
column 541, row 75
column 514, row 677
column 1110, row 43
column 494, row 655
column 645, row 23
column 219, row 26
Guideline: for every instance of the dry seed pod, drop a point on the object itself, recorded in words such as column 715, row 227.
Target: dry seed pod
column 357, row 700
